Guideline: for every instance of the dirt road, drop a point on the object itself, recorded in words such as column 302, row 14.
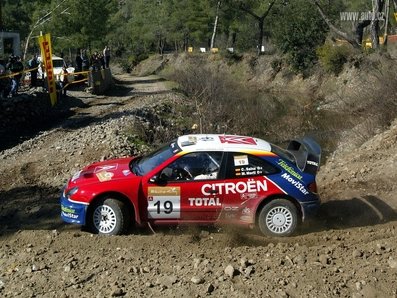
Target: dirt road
column 349, row 251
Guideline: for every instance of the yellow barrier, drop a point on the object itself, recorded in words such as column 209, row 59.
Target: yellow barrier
column 17, row 73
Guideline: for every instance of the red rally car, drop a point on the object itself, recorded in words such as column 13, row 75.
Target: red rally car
column 199, row 179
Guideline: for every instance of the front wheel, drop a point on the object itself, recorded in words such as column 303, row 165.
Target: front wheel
column 109, row 217
column 278, row 218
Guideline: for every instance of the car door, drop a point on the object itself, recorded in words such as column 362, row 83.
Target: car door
column 245, row 185
column 185, row 190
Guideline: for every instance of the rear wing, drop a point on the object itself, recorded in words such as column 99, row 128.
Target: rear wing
column 307, row 154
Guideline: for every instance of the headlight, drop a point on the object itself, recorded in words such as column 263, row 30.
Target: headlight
column 71, row 192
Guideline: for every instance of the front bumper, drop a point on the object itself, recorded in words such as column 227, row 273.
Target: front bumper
column 72, row 212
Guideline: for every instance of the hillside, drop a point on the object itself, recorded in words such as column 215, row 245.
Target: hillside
column 349, row 250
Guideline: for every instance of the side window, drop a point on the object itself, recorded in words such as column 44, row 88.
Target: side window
column 247, row 165
column 194, row 166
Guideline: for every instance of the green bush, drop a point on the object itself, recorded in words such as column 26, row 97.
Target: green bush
column 333, row 57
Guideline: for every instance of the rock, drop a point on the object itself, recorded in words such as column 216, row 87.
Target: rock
column 248, row 271
column 167, row 281
column 324, row 259
column 230, row 271
column 210, row 288
column 357, row 254
column 392, row 263
column 197, row 280
column 117, row 292
column 243, row 263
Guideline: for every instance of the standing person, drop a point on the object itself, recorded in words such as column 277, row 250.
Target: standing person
column 4, row 83
column 15, row 66
column 63, row 80
column 95, row 62
column 79, row 62
column 106, row 55
column 33, row 65
column 85, row 62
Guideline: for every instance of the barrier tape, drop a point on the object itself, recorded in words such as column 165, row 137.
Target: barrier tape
column 17, row 73
column 36, row 68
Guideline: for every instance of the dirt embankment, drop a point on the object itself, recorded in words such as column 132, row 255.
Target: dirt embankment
column 349, row 251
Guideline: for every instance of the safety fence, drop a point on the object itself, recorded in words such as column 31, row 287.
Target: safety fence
column 99, row 80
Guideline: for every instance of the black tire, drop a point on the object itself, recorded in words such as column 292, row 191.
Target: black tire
column 109, row 217
column 278, row 218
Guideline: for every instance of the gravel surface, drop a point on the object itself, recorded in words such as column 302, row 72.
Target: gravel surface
column 349, row 251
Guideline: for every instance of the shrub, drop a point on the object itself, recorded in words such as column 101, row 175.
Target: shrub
column 333, row 57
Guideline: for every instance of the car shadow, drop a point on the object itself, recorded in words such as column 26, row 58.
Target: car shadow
column 349, row 213
column 29, row 208
column 37, row 208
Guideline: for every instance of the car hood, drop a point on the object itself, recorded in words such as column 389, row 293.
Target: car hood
column 109, row 170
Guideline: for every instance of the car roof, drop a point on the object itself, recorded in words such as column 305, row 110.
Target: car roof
column 53, row 58
column 221, row 142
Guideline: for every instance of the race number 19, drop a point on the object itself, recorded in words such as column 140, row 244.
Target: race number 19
column 167, row 207
column 164, row 203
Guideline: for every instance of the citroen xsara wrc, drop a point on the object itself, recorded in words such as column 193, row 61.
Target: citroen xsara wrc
column 199, row 179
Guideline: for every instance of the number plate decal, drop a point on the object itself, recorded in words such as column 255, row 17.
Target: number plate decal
column 164, row 202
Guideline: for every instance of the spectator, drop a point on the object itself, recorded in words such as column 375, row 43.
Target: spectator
column 102, row 60
column 4, row 82
column 79, row 62
column 33, row 66
column 85, row 64
column 95, row 61
column 106, row 55
column 15, row 66
column 63, row 81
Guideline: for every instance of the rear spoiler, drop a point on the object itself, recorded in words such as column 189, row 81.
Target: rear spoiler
column 307, row 154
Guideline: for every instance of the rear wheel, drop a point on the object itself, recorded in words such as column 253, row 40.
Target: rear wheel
column 278, row 218
column 109, row 217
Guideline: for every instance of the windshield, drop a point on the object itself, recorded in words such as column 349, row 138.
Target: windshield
column 57, row 63
column 143, row 165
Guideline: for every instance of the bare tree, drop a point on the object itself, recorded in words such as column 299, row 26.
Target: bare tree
column 40, row 21
column 215, row 24
column 355, row 38
column 259, row 18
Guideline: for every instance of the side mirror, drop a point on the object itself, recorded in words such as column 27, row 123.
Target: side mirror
column 159, row 179
column 154, row 179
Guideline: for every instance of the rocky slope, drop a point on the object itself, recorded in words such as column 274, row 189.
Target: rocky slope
column 349, row 251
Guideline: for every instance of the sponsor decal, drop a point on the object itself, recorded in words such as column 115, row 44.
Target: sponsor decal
column 76, row 176
column 240, row 160
column 246, row 211
column 69, row 215
column 68, row 210
column 204, row 202
column 249, row 171
column 165, row 191
column 312, row 163
column 206, row 139
column 237, row 140
column 106, row 168
column 251, row 186
column 231, row 208
column 164, row 202
column 104, row 176
column 295, row 183
column 289, row 169
column 249, row 196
